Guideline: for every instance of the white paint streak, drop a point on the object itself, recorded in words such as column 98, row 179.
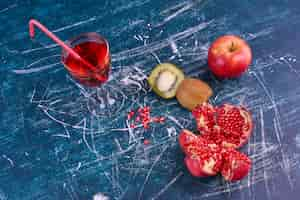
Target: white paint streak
column 91, row 149
column 100, row 196
column 146, row 49
column 35, row 70
column 156, row 57
column 297, row 140
column 132, row 137
column 7, row 8
column 118, row 144
column 167, row 186
column 175, row 121
column 185, row 7
column 75, row 24
column 287, row 61
column 263, row 138
column 150, row 171
column 11, row 162
column 264, row 32
column 32, row 96
column 172, row 133
column 174, row 48
column 50, row 46
column 286, row 163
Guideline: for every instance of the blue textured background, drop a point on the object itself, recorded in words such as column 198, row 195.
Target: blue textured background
column 55, row 145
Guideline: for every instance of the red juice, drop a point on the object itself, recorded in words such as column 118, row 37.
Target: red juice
column 94, row 52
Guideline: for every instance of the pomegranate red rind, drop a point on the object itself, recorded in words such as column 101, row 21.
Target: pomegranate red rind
column 193, row 165
column 236, row 165
column 203, row 158
column 203, row 165
column 227, row 125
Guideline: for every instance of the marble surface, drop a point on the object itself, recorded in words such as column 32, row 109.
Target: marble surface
column 56, row 142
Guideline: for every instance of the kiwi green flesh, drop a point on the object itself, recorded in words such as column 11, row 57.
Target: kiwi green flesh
column 165, row 81
column 155, row 75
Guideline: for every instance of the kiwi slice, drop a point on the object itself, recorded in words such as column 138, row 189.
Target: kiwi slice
column 165, row 79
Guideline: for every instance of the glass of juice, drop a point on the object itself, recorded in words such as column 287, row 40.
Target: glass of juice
column 87, row 58
column 94, row 49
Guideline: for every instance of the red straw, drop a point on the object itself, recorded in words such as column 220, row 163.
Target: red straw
column 34, row 22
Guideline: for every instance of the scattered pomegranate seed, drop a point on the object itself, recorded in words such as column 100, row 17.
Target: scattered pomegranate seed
column 137, row 119
column 143, row 116
column 130, row 115
column 147, row 109
column 155, row 119
column 162, row 120
column 146, row 126
column 146, row 142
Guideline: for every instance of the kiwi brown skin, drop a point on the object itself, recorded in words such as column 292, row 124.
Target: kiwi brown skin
column 192, row 92
column 152, row 79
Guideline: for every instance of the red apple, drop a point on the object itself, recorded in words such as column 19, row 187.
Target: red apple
column 229, row 56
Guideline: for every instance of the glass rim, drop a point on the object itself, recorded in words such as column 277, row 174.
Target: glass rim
column 88, row 36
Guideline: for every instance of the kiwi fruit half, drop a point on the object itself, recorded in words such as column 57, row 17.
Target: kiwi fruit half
column 165, row 79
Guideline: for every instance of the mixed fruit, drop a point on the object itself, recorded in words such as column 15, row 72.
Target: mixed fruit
column 223, row 129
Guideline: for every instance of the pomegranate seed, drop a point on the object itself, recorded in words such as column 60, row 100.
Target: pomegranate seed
column 143, row 116
column 138, row 118
column 228, row 123
column 146, row 125
column 130, row 115
column 162, row 119
column 155, row 119
column 146, row 142
column 203, row 158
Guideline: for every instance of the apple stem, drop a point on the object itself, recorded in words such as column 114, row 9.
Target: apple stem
column 232, row 47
